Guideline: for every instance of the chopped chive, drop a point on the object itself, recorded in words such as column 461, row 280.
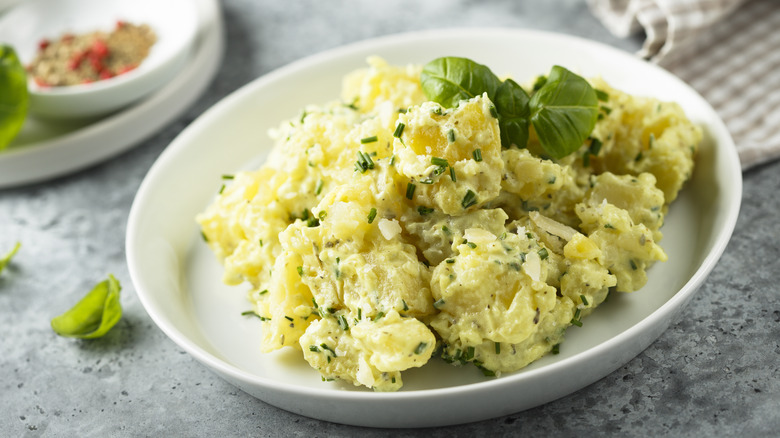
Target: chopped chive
column 451, row 136
column 426, row 181
column 446, row 229
column 439, row 161
column 498, row 348
column 228, row 176
column 543, row 254
column 318, row 188
column 437, row 111
column 469, row 200
column 379, row 315
column 651, row 141
column 261, row 242
column 287, row 318
column 607, row 110
column 371, row 215
column 399, row 130
column 450, row 261
column 403, row 302
column 638, row 156
column 325, row 347
column 595, row 146
column 206, row 239
column 633, row 265
column 360, row 313
column 452, row 174
column 371, row 139
column 343, row 322
column 222, row 189
column 420, row 347
column 410, row 190
column 438, row 303
column 300, row 270
column 471, row 245
column 584, row 300
column 263, row 292
column 601, row 95
column 392, row 160
column 556, row 349
column 477, row 154
column 551, row 180
column 314, row 348
column 322, row 214
column 576, row 322
column 423, row 210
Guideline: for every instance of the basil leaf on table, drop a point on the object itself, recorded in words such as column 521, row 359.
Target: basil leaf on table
column 94, row 315
column 513, row 114
column 7, row 258
column 449, row 80
column 13, row 95
column 563, row 112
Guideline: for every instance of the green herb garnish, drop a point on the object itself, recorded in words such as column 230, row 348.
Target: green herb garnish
column 477, row 154
column 371, row 215
column 14, row 98
column 94, row 315
column 469, row 200
column 423, row 210
column 399, row 130
column 563, row 111
column 7, row 258
column 441, row 162
column 410, row 190
column 366, row 140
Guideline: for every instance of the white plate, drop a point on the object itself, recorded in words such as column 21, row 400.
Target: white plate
column 178, row 279
column 47, row 149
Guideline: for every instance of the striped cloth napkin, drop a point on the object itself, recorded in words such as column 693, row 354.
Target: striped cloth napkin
column 728, row 50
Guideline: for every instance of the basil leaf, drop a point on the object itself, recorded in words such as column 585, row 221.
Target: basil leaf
column 7, row 258
column 94, row 315
column 513, row 113
column 563, row 112
column 13, row 95
column 449, row 80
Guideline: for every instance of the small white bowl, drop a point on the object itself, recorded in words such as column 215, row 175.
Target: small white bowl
column 173, row 21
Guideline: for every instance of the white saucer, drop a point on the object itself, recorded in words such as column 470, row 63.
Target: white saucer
column 47, row 149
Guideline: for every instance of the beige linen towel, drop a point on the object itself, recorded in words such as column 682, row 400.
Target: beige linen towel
column 728, row 50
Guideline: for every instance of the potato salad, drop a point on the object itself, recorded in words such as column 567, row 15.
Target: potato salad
column 401, row 224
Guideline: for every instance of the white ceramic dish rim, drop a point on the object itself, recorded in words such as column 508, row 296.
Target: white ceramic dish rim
column 88, row 145
column 655, row 322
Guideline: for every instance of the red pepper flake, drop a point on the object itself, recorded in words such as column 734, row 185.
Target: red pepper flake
column 105, row 74
column 43, row 44
column 120, row 24
column 100, row 49
column 40, row 82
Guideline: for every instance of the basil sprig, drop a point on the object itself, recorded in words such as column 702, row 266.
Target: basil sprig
column 563, row 111
column 94, row 315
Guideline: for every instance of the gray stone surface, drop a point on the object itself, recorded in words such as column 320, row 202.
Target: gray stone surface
column 715, row 372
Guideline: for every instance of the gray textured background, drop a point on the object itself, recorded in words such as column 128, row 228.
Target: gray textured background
column 713, row 373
